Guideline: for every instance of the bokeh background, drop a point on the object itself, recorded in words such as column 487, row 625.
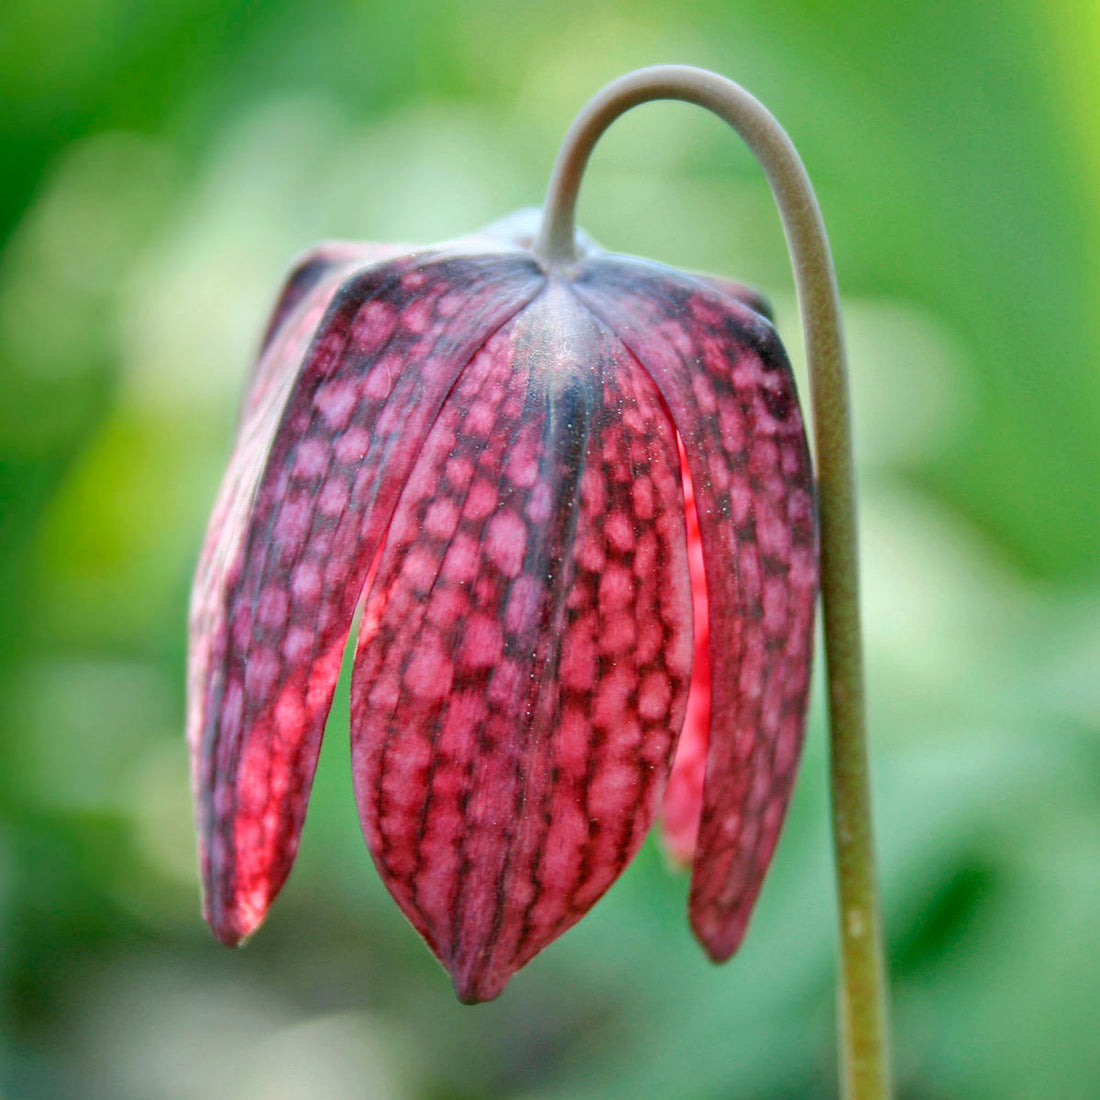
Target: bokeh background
column 161, row 165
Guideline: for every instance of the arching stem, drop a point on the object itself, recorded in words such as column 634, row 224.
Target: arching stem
column 864, row 1036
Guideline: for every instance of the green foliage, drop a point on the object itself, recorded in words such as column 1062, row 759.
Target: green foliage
column 163, row 163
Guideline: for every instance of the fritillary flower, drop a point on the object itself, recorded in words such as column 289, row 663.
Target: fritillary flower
column 574, row 507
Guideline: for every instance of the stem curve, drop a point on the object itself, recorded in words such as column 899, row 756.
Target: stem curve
column 864, row 1028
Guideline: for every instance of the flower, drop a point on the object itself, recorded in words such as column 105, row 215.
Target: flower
column 524, row 477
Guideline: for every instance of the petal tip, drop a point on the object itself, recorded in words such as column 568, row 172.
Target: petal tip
column 719, row 946
column 720, row 940
column 235, row 924
column 473, row 987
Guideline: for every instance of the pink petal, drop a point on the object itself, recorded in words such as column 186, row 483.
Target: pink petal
column 525, row 651
column 729, row 389
column 323, row 452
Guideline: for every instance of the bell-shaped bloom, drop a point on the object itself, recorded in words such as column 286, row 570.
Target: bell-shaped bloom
column 574, row 506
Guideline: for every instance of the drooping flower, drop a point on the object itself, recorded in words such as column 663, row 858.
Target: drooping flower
column 525, row 477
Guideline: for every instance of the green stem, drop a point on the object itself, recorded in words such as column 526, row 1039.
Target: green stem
column 864, row 1032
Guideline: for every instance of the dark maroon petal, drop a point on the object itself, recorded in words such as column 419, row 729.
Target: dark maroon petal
column 305, row 507
column 525, row 650
column 729, row 389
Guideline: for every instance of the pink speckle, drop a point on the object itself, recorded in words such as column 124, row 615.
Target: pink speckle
column 506, row 543
column 577, row 668
column 764, row 457
column 378, row 384
column 459, row 470
column 374, row 324
column 481, row 501
column 340, row 558
column 654, row 696
column 618, row 634
column 632, row 420
column 614, row 786
column 523, row 602
column 461, row 563
column 539, row 504
column 775, row 606
column 732, row 426
column 593, row 492
column 704, row 394
column 448, row 607
column 336, row 401
column 750, row 831
column 333, row 498
column 261, row 672
column 290, row 713
column 644, row 498
column 650, row 641
column 450, row 304
column 740, row 502
column 323, row 675
column 298, row 645
column 673, row 334
column 619, row 532
column 479, row 419
column 417, row 316
column 350, row 446
column 748, row 568
column 571, row 748
column 612, row 695
column 616, row 589
column 241, row 625
column 306, row 583
column 441, row 518
column 720, row 476
column 772, row 704
column 771, row 531
column 385, row 693
column 750, row 680
column 522, row 468
column 564, row 851
column 645, row 556
column 482, row 642
column 311, row 459
column 590, row 552
column 232, row 709
column 294, row 520
column 747, row 372
column 678, row 649
column 419, row 568
column 429, row 673
column 792, row 462
column 272, row 607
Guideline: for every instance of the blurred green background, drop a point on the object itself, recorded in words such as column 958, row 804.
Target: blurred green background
column 161, row 165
